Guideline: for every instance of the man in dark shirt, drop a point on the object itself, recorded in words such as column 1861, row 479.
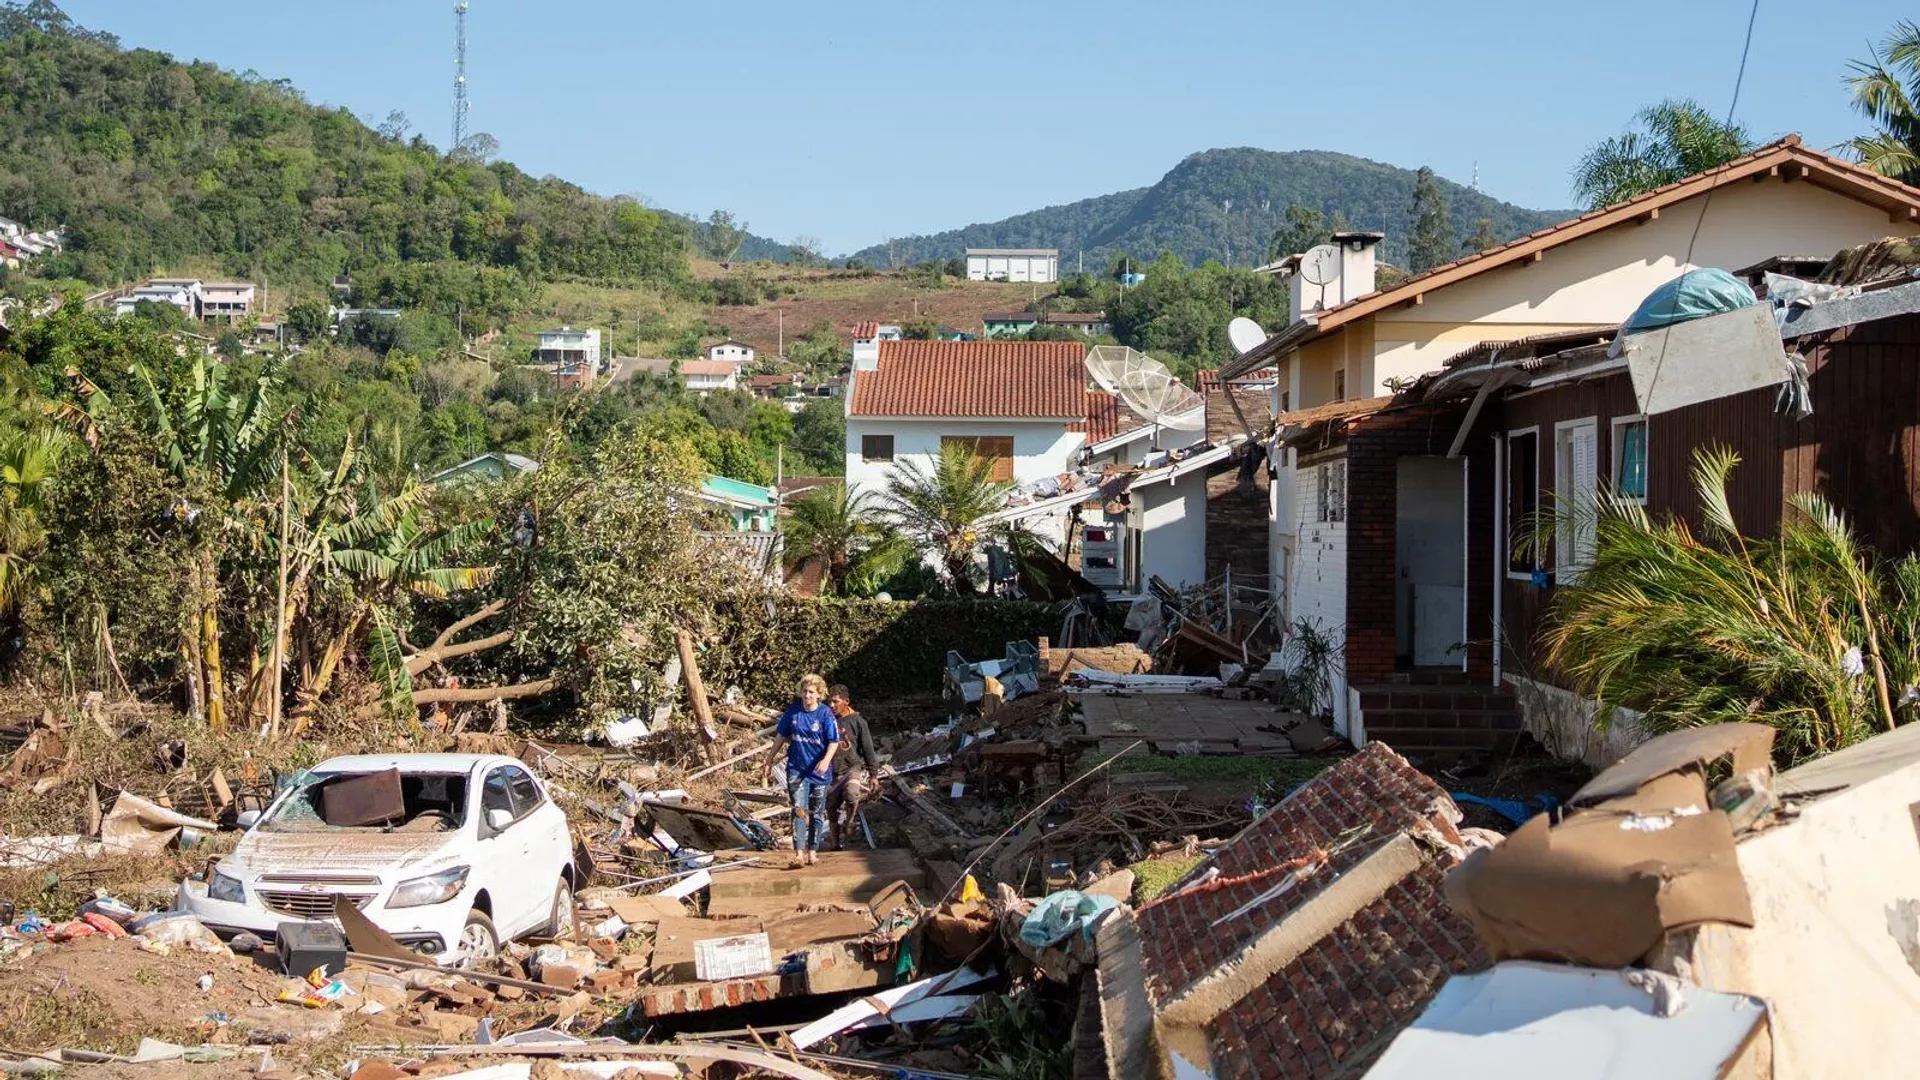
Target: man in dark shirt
column 855, row 766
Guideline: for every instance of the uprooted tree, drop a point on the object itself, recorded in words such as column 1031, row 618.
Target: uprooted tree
column 598, row 564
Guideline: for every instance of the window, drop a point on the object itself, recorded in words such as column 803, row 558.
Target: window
column 1630, row 458
column 1575, row 487
column 876, row 448
column 1523, row 501
column 1333, row 491
column 1339, row 384
column 495, row 794
column 526, row 795
column 1286, row 401
column 997, row 449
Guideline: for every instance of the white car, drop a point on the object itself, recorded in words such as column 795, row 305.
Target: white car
column 478, row 856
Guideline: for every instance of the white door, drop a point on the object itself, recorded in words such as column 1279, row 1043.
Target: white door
column 1576, row 488
column 1439, row 611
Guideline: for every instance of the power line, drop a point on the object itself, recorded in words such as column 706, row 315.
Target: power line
column 1739, row 79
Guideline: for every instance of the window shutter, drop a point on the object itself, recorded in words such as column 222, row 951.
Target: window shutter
column 1585, row 495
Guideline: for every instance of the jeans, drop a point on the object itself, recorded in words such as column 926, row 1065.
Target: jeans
column 809, row 798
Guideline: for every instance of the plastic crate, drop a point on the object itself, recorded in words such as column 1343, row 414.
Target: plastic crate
column 738, row 957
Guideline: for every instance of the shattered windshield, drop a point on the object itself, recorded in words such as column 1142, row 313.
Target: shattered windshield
column 386, row 801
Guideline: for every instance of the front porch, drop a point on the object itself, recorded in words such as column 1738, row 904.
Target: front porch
column 1384, row 499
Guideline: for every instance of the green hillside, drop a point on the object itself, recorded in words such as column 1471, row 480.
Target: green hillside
column 1226, row 205
column 151, row 163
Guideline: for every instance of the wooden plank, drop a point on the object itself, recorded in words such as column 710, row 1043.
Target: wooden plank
column 799, row 930
column 844, row 876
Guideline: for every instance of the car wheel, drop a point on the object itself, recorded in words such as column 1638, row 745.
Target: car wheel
column 478, row 939
column 560, row 922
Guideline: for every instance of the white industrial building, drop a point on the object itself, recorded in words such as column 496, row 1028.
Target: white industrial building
column 1013, row 264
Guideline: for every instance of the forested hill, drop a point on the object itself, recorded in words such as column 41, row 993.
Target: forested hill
column 1226, row 205
column 149, row 162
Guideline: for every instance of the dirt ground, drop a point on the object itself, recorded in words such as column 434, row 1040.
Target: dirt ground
column 891, row 299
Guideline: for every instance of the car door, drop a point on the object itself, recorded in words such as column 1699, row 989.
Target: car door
column 502, row 853
column 550, row 845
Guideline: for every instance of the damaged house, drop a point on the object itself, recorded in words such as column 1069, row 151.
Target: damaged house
column 1554, row 420
column 1302, row 947
column 1383, row 529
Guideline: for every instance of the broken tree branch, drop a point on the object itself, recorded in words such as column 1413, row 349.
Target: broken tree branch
column 696, row 688
column 435, row 696
column 467, row 622
column 440, row 654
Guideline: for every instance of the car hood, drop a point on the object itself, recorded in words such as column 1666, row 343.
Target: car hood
column 385, row 854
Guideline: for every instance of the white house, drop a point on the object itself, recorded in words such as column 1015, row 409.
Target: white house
column 572, row 355
column 226, row 299
column 10, row 228
column 737, row 353
column 181, row 294
column 699, row 376
column 706, row 376
column 1021, row 403
column 1013, row 264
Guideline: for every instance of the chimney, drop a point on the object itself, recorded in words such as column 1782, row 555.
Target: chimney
column 866, row 347
column 1327, row 275
column 1356, row 262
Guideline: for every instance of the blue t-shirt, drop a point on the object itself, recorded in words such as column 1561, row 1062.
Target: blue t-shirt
column 808, row 733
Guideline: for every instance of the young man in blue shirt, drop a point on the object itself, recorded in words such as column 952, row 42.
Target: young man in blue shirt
column 811, row 736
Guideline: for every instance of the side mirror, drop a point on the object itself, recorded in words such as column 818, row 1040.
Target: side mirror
column 498, row 819
column 247, row 819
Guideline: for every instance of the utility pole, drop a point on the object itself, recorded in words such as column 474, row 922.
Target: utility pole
column 781, row 315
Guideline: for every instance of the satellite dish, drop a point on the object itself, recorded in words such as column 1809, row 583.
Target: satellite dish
column 1245, row 334
column 1146, row 387
column 1318, row 267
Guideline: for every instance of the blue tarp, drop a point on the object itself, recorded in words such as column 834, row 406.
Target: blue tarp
column 1062, row 913
column 1693, row 295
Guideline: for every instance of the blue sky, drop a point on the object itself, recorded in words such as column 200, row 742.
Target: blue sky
column 852, row 121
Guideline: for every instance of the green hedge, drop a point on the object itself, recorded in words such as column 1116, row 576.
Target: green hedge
column 876, row 647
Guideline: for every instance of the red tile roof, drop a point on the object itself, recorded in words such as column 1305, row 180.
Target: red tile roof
column 1106, row 417
column 1786, row 158
column 1328, row 1007
column 866, row 331
column 1013, row 379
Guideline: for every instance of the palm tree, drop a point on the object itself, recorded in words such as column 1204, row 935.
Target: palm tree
column 1885, row 90
column 1677, row 139
column 938, row 505
column 1803, row 631
column 840, row 534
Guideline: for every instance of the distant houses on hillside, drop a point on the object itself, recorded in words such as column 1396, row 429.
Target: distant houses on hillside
column 1013, row 264
column 1005, row 324
column 20, row 245
column 571, row 356
column 206, row 301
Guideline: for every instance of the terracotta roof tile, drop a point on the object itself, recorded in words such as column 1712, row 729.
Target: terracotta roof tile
column 1021, row 379
column 866, row 331
column 1106, row 417
column 1349, row 989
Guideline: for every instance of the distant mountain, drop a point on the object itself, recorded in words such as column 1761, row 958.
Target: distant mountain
column 1226, row 205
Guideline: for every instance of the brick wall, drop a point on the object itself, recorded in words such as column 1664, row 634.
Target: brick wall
column 1374, row 451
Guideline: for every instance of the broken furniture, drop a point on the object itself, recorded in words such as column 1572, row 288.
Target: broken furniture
column 964, row 684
